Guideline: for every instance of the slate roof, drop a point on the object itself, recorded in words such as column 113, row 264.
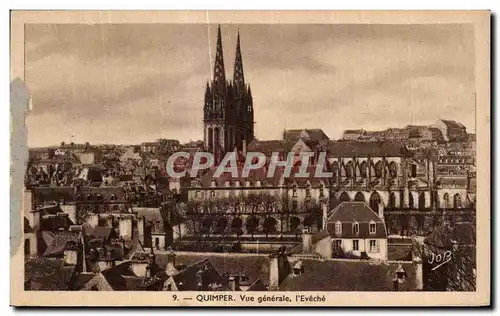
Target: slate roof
column 254, row 266
column 47, row 274
column 261, row 175
column 347, row 148
column 56, row 242
column 45, row 194
column 188, row 276
column 105, row 192
column 452, row 124
column 337, row 275
column 267, row 147
column 316, row 134
column 350, row 212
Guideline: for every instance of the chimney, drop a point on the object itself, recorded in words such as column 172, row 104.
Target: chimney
column 324, row 207
column 307, row 245
column 381, row 211
column 232, row 283
column 279, row 268
column 170, row 269
column 273, row 272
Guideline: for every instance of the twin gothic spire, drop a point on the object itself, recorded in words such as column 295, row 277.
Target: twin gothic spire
column 219, row 71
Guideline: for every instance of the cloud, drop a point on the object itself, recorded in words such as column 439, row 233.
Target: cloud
column 128, row 83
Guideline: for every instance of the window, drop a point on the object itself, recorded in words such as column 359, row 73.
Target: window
column 355, row 245
column 295, row 205
column 89, row 197
column 321, row 193
column 373, row 227
column 355, row 228
column 212, row 193
column 413, row 171
column 308, row 191
column 337, row 245
column 374, row 246
column 294, row 191
column 338, row 228
column 113, row 197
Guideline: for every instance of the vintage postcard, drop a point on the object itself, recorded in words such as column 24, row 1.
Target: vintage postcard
column 209, row 158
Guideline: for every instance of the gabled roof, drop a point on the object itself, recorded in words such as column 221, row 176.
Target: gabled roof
column 188, row 276
column 349, row 213
column 452, row 124
column 337, row 275
column 254, row 266
column 56, row 241
column 47, row 274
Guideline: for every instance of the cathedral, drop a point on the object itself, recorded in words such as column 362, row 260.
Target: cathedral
column 228, row 108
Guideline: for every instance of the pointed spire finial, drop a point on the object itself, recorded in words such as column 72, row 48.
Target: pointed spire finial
column 219, row 72
column 238, row 77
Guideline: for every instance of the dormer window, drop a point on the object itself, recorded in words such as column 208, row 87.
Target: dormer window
column 373, row 228
column 338, row 228
column 355, row 228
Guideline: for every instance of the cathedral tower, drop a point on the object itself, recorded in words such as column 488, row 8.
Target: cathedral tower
column 228, row 108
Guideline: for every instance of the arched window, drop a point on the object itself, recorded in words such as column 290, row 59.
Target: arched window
column 392, row 200
column 113, row 197
column 78, row 197
column 359, row 197
column 378, row 169
column 344, row 197
column 421, row 201
column 89, row 197
column 457, row 201
column 446, row 200
column 393, row 170
column 349, row 170
column 335, row 169
column 411, row 203
column 355, row 228
column 374, row 201
column 338, row 228
column 363, row 169
column 99, row 197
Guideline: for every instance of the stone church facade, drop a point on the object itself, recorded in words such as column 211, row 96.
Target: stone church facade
column 228, row 108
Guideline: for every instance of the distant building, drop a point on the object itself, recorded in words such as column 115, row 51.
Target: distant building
column 452, row 131
column 353, row 134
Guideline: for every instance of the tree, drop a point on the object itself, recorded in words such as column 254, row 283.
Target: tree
column 269, row 226
column 449, row 258
column 252, row 224
column 63, row 144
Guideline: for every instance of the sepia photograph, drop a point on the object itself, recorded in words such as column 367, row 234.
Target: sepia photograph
column 297, row 158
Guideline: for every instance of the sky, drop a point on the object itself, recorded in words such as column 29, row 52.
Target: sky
column 130, row 83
